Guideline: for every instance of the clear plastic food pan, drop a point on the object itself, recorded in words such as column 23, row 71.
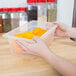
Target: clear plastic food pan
column 16, row 49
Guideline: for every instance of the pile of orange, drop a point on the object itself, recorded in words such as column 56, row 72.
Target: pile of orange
column 29, row 35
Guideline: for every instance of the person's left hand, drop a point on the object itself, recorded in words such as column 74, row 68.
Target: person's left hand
column 38, row 48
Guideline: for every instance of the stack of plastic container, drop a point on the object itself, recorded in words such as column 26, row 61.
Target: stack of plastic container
column 6, row 19
column 52, row 10
column 14, row 17
column 32, row 10
column 42, row 10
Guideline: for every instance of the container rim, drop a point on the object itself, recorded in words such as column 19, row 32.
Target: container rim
column 17, row 38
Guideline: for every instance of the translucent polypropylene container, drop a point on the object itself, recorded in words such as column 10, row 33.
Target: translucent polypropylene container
column 16, row 49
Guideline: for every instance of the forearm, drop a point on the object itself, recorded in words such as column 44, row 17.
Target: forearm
column 63, row 66
column 72, row 32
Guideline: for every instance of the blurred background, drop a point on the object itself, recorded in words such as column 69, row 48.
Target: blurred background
column 65, row 12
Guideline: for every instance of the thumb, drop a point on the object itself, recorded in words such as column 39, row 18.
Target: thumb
column 61, row 26
column 58, row 23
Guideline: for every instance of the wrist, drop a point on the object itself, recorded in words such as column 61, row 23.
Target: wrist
column 47, row 53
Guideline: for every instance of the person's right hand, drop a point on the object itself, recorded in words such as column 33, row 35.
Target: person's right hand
column 62, row 29
column 39, row 47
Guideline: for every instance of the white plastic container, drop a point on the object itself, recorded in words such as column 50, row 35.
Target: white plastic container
column 30, row 26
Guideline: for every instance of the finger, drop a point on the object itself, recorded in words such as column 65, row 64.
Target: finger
column 25, row 48
column 23, row 42
column 37, row 39
column 18, row 43
column 32, row 41
column 60, row 33
column 59, row 24
column 26, row 43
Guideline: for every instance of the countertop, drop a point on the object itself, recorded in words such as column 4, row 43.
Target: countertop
column 12, row 65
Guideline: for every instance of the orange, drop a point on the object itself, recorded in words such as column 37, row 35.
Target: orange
column 39, row 32
column 44, row 31
column 36, row 31
column 28, row 35
column 21, row 35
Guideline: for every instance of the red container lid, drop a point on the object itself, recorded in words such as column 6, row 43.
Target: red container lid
column 31, row 1
column 0, row 9
column 22, row 9
column 41, row 1
column 13, row 9
column 53, row 1
column 5, row 9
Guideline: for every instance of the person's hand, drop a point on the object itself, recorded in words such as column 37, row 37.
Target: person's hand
column 62, row 29
column 38, row 48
